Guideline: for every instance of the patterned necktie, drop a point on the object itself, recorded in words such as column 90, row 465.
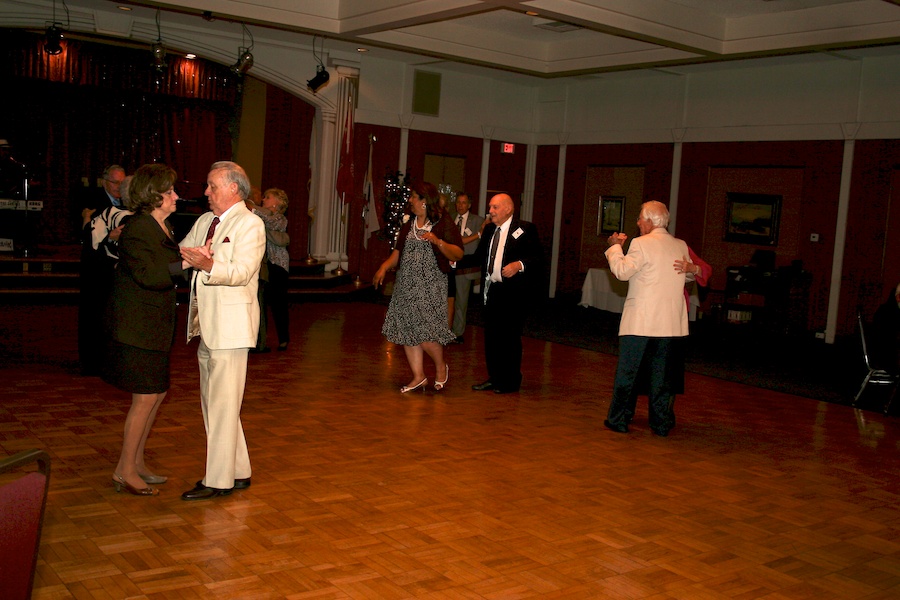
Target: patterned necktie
column 495, row 242
column 212, row 229
column 194, row 311
column 459, row 222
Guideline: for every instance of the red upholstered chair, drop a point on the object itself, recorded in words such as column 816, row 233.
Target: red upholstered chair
column 23, row 495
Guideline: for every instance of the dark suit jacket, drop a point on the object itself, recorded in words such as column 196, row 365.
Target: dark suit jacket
column 96, row 199
column 525, row 247
column 142, row 306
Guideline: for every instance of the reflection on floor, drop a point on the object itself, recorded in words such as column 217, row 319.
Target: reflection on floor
column 360, row 492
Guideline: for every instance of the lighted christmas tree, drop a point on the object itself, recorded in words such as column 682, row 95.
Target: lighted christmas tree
column 396, row 196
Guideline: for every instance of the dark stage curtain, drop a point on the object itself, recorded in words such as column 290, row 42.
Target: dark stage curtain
column 289, row 122
column 70, row 115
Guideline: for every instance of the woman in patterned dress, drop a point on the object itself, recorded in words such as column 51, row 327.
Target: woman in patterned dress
column 417, row 315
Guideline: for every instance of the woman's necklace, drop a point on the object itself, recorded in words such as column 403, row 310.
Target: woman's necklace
column 416, row 229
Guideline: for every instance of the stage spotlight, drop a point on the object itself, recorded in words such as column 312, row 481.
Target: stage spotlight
column 244, row 62
column 245, row 59
column 53, row 40
column 319, row 80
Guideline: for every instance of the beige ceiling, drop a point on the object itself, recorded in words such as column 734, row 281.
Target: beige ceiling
column 573, row 37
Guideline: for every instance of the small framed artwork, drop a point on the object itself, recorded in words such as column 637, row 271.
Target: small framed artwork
column 611, row 216
column 752, row 218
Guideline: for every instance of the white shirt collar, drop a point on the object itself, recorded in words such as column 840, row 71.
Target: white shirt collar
column 224, row 215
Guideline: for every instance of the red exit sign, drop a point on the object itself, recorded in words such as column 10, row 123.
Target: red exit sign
column 507, row 148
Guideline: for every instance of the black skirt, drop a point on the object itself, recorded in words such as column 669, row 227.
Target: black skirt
column 136, row 370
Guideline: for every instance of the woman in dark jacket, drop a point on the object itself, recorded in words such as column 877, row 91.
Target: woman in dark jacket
column 141, row 318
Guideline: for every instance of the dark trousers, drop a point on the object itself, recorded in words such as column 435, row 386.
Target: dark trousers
column 277, row 299
column 95, row 288
column 504, row 318
column 657, row 353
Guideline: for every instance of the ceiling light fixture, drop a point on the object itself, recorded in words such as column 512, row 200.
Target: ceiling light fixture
column 53, row 40
column 245, row 58
column 54, row 35
column 158, row 49
column 321, row 76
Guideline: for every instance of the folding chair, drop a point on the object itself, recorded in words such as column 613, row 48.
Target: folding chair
column 875, row 376
column 22, row 500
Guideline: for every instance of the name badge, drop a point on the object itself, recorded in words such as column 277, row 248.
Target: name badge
column 517, row 233
column 467, row 231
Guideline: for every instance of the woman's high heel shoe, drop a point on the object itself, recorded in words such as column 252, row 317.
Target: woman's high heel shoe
column 153, row 479
column 120, row 484
column 439, row 385
column 407, row 388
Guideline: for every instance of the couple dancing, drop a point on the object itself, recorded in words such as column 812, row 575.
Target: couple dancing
column 510, row 253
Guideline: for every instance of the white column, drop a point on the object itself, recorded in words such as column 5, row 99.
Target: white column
column 329, row 224
column 527, row 212
column 348, row 80
column 678, row 135
column 840, row 234
column 406, row 122
column 488, row 133
column 850, row 129
column 325, row 194
column 557, row 213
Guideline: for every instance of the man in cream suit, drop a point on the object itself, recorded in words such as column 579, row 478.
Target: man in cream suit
column 225, row 247
column 653, row 317
column 469, row 225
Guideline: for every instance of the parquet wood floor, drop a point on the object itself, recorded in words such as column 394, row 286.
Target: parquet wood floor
column 361, row 492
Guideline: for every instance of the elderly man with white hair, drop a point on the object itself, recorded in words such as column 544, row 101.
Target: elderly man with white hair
column 225, row 247
column 653, row 318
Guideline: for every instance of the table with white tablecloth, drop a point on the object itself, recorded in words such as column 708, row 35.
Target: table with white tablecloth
column 602, row 290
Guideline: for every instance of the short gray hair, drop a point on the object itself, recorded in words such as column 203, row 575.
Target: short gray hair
column 234, row 173
column 655, row 212
column 108, row 171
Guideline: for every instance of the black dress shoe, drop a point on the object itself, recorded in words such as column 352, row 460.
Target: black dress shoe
column 201, row 492
column 660, row 431
column 239, row 484
column 616, row 428
column 483, row 387
column 498, row 390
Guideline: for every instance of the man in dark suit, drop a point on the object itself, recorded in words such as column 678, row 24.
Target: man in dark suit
column 512, row 257
column 99, row 198
column 95, row 271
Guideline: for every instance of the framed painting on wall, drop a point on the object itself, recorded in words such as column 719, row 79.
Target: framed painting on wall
column 611, row 217
column 752, row 218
